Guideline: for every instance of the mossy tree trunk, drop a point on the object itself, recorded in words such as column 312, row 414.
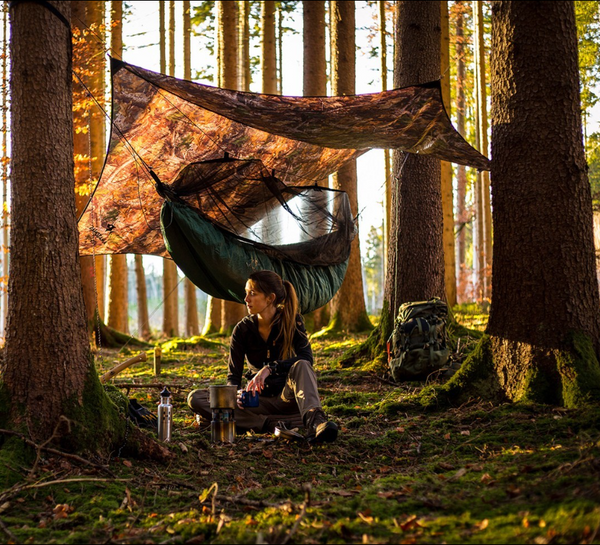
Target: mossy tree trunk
column 48, row 370
column 415, row 258
column 544, row 325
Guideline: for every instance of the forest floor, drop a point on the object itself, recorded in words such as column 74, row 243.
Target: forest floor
column 398, row 473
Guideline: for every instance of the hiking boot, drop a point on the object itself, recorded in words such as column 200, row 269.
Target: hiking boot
column 320, row 430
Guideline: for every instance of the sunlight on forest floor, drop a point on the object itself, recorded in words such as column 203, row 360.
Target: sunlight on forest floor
column 397, row 473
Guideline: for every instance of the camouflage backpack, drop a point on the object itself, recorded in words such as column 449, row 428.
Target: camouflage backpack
column 417, row 346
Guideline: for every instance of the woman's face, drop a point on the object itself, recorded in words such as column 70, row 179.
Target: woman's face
column 256, row 301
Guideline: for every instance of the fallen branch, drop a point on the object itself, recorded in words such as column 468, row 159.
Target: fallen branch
column 124, row 365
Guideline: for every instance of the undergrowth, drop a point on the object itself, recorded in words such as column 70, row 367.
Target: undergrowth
column 397, row 473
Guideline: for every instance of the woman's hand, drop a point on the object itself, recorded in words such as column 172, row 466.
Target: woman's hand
column 257, row 384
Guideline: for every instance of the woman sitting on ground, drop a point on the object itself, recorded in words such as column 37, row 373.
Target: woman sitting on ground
column 280, row 364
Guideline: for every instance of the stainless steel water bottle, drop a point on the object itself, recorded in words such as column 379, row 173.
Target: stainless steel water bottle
column 165, row 416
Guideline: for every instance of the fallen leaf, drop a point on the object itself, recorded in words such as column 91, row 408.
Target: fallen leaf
column 483, row 524
column 345, row 493
column 460, row 473
column 268, row 454
column 410, row 522
column 127, row 463
column 368, row 520
column 447, row 436
column 486, row 478
column 61, row 510
column 4, row 506
column 465, row 432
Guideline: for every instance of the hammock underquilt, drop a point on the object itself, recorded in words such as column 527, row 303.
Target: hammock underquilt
column 219, row 264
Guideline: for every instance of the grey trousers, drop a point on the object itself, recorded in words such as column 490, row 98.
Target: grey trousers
column 299, row 395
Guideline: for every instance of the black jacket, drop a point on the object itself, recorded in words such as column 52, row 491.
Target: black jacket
column 246, row 342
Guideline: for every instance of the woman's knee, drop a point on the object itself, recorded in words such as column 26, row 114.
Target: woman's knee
column 301, row 366
column 197, row 400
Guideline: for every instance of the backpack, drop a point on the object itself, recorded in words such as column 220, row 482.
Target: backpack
column 417, row 346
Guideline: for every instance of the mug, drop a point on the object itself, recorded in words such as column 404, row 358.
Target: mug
column 249, row 399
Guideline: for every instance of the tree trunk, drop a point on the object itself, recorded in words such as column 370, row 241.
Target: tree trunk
column 230, row 313
column 446, row 168
column 5, row 163
column 544, row 324
column 171, row 37
column 170, row 299
column 118, row 316
column 89, row 144
column 170, row 280
column 416, row 258
column 314, row 83
column 244, row 45
column 348, row 310
column 482, row 130
column 187, row 35
column 118, row 305
column 268, row 59
column 48, row 370
column 142, row 299
column 461, row 173
column 212, row 322
column 162, row 41
column 192, row 327
column 387, row 164
column 191, row 304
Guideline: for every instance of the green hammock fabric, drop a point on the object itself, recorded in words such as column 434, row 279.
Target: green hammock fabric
column 219, row 264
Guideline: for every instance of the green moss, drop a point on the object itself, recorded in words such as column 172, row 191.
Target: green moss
column 14, row 456
column 579, row 370
column 99, row 418
column 474, row 379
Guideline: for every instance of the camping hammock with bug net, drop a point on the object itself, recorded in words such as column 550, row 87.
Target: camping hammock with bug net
column 228, row 182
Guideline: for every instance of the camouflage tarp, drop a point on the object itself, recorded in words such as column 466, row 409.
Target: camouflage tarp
column 165, row 124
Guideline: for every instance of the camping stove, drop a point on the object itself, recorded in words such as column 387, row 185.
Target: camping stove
column 222, row 402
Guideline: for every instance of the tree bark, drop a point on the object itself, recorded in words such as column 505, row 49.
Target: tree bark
column 170, row 280
column 446, row 168
column 118, row 316
column 461, row 173
column 268, row 58
column 314, row 83
column 142, row 299
column 387, row 163
column 415, row 258
column 118, row 305
column 483, row 178
column 162, row 41
column 348, row 310
column 187, row 35
column 191, row 304
column 228, row 313
column 544, row 324
column 47, row 370
column 244, row 45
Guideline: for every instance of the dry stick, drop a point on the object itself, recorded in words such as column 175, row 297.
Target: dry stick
column 58, row 452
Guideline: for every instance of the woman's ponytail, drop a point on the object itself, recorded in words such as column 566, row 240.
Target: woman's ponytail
column 288, row 319
column 286, row 301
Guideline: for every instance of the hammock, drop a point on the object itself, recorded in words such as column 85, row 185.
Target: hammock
column 242, row 171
